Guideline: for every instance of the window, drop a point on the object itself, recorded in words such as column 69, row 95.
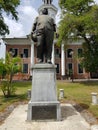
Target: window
column 21, row 55
column 14, row 52
column 57, row 53
column 80, row 52
column 80, row 69
column 57, row 68
column 25, row 68
column 69, row 55
column 70, row 68
column 25, row 53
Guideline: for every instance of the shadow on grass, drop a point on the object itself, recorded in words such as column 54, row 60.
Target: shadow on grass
column 67, row 111
column 22, row 84
column 88, row 82
column 14, row 98
column 80, row 107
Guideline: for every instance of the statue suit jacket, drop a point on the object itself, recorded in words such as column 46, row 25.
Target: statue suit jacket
column 44, row 21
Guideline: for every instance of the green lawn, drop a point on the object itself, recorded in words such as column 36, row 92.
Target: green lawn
column 78, row 92
column 20, row 95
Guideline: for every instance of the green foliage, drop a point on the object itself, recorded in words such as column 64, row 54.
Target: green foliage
column 8, row 7
column 12, row 65
column 76, row 7
column 2, row 68
column 90, row 57
column 80, row 20
column 8, row 68
column 7, row 88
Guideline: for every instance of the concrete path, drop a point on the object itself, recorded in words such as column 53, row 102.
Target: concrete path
column 71, row 120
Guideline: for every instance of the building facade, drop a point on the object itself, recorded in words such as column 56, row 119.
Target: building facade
column 20, row 47
column 65, row 58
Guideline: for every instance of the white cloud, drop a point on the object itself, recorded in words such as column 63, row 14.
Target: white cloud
column 16, row 29
column 26, row 16
column 28, row 11
column 96, row 1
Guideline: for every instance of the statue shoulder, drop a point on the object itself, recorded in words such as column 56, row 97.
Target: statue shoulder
column 52, row 20
column 36, row 19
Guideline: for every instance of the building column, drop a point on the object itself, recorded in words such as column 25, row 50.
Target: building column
column 62, row 61
column 2, row 50
column 32, row 53
column 53, row 55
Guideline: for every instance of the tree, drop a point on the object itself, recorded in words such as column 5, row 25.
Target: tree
column 80, row 20
column 2, row 69
column 8, row 68
column 8, row 7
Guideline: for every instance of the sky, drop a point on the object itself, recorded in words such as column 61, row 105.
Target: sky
column 27, row 12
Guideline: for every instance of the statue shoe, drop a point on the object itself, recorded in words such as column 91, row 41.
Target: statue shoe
column 39, row 61
column 49, row 61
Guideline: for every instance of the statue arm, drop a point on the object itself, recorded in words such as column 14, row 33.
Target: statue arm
column 54, row 27
column 34, row 25
column 33, row 32
column 34, row 28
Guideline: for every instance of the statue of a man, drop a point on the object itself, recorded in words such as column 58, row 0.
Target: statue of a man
column 45, row 27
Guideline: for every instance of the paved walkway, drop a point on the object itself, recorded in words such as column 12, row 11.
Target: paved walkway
column 71, row 120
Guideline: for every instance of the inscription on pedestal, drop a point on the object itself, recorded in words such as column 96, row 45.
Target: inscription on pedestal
column 43, row 112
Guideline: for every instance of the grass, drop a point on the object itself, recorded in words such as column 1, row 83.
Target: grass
column 78, row 92
column 20, row 95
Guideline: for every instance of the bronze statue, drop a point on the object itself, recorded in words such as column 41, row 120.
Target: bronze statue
column 44, row 26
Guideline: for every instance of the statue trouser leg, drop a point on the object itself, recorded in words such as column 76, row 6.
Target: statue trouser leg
column 40, row 48
column 49, row 41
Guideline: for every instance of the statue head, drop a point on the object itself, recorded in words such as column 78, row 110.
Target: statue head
column 45, row 11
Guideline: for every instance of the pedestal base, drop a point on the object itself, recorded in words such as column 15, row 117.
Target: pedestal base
column 44, row 111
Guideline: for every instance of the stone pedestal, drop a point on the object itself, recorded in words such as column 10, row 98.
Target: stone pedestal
column 94, row 98
column 43, row 103
column 61, row 93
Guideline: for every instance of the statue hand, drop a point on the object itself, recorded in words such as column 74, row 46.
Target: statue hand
column 34, row 36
